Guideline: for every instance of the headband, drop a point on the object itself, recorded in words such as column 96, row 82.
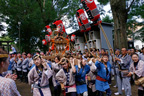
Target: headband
column 36, row 56
column 3, row 55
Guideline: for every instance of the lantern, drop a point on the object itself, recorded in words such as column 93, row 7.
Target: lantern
column 80, row 25
column 44, row 42
column 97, row 22
column 91, row 9
column 60, row 26
column 47, row 38
column 84, row 26
column 48, row 29
column 72, row 37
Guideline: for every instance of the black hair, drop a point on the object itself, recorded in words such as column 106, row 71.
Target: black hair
column 106, row 55
column 58, row 57
column 71, row 56
column 135, row 54
column 134, row 49
column 103, row 49
column 142, row 48
column 65, row 60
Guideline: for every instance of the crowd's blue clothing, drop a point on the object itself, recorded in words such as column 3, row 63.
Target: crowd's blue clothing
column 81, row 88
column 13, row 50
column 34, row 65
column 10, row 65
column 80, row 77
column 101, row 85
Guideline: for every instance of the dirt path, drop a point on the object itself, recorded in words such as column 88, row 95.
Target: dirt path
column 25, row 90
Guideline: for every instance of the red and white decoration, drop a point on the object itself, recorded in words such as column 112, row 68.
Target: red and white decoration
column 83, row 21
column 72, row 37
column 91, row 9
column 97, row 22
column 44, row 42
column 48, row 29
column 60, row 26
column 47, row 38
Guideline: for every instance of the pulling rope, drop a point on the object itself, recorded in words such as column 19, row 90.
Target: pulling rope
column 108, row 43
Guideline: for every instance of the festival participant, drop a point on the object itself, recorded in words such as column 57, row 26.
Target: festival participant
column 25, row 67
column 39, row 76
column 81, row 70
column 103, row 75
column 7, row 85
column 142, row 54
column 29, row 60
column 124, row 61
column 14, row 63
column 42, row 54
column 13, row 50
column 10, row 64
column 133, row 50
column 91, row 76
column 137, row 69
column 66, row 76
column 116, row 66
column 137, row 51
column 129, row 52
column 103, row 51
column 19, row 66
column 55, row 68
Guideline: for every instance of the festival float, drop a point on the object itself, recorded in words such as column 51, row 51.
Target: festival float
column 57, row 40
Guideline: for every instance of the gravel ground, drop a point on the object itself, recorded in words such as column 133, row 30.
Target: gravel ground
column 25, row 90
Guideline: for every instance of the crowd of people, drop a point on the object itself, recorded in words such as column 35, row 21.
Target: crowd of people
column 76, row 74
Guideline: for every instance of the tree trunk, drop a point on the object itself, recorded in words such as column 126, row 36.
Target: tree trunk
column 119, row 11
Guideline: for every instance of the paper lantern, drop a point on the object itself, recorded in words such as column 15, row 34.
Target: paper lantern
column 60, row 26
column 44, row 42
column 48, row 29
column 47, row 38
column 72, row 37
column 83, row 21
column 91, row 9
column 97, row 22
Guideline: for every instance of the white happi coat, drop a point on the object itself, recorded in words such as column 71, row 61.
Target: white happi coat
column 55, row 69
column 92, row 75
column 61, row 77
column 33, row 78
column 139, row 70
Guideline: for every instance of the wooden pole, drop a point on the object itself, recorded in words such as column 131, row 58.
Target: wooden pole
column 87, row 42
column 107, row 41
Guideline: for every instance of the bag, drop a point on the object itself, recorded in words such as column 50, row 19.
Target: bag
column 140, row 81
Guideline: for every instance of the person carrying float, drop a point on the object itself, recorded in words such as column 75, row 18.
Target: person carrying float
column 39, row 76
column 81, row 70
column 103, row 75
column 66, row 77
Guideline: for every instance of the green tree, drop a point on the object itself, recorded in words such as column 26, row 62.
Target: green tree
column 107, row 19
column 122, row 12
column 33, row 15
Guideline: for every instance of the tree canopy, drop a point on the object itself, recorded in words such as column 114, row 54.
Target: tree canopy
column 33, row 16
column 125, row 13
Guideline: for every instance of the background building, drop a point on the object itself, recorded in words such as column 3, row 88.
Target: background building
column 95, row 37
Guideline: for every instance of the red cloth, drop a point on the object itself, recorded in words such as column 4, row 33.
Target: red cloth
column 100, row 79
